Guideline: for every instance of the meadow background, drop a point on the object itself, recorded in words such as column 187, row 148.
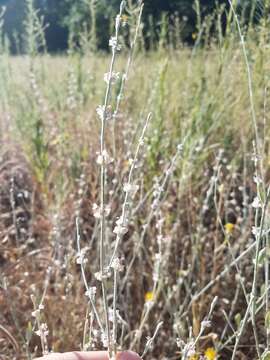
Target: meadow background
column 193, row 272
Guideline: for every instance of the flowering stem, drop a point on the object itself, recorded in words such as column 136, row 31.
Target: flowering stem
column 151, row 340
column 258, row 247
column 78, row 237
column 124, row 77
column 152, row 212
column 123, row 221
column 102, row 177
column 129, row 183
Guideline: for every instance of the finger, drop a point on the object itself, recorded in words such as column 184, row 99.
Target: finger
column 91, row 355
column 128, row 355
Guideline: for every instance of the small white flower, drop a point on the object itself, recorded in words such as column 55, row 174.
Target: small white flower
column 98, row 212
column 255, row 230
column 111, row 78
column 257, row 180
column 102, row 114
column 102, row 276
column 149, row 304
column 113, row 43
column 155, row 204
column 189, row 349
column 149, row 342
column 180, row 343
column 38, row 333
column 81, row 258
column 104, row 340
column 43, row 331
column 111, row 315
column 104, row 158
column 36, row 313
column 120, row 230
column 100, row 111
column 256, row 203
column 205, row 324
column 180, row 147
column 98, row 276
column 116, row 264
column 91, row 293
column 122, row 220
column 129, row 188
column 157, row 190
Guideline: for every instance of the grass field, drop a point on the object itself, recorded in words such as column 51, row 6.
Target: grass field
column 196, row 243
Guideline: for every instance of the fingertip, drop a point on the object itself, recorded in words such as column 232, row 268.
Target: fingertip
column 128, row 355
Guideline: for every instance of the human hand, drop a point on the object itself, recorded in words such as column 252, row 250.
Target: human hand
column 90, row 355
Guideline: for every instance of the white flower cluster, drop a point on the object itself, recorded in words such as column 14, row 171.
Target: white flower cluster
column 205, row 324
column 180, row 148
column 91, row 293
column 131, row 189
column 256, row 203
column 104, row 114
column 158, row 190
column 188, row 349
column 257, row 180
column 111, row 78
column 121, row 227
column 104, row 158
column 102, row 276
column 36, row 313
column 43, row 331
column 97, row 211
column 80, row 258
column 104, row 339
column 113, row 43
column 117, row 265
column 255, row 230
column 111, row 315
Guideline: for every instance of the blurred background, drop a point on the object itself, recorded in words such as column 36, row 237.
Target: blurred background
column 63, row 18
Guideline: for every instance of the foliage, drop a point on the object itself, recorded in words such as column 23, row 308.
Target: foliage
column 67, row 17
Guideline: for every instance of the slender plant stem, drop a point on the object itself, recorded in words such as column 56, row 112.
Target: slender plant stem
column 78, row 237
column 124, row 77
column 103, row 178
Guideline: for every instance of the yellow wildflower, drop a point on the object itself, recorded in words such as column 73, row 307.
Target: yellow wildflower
column 194, row 357
column 229, row 227
column 210, row 354
column 149, row 296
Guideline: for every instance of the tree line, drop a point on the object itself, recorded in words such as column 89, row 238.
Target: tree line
column 63, row 20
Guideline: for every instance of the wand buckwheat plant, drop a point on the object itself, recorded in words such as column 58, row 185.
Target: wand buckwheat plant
column 260, row 204
column 108, row 335
column 104, row 115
